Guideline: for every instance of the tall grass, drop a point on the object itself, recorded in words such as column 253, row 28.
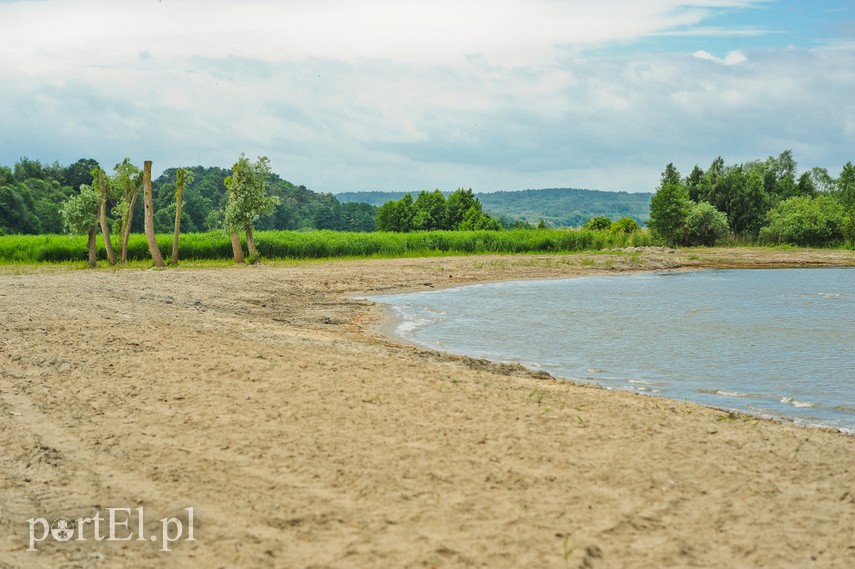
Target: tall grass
column 326, row 244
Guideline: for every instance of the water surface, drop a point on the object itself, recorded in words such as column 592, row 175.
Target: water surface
column 774, row 342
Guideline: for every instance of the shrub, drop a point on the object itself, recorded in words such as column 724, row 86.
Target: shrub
column 625, row 225
column 806, row 221
column 597, row 223
column 705, row 225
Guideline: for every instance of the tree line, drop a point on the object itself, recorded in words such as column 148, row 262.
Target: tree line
column 762, row 200
column 85, row 212
column 32, row 194
column 432, row 211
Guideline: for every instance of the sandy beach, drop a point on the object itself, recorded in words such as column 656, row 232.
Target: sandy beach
column 269, row 400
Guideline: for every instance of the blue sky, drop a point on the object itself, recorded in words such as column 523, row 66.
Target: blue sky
column 411, row 95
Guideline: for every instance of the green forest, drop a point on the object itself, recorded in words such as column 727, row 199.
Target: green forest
column 762, row 200
column 32, row 195
column 758, row 202
column 557, row 207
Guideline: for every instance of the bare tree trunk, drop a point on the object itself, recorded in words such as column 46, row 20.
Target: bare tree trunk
column 236, row 248
column 179, row 191
column 250, row 242
column 102, row 217
column 126, row 230
column 148, row 200
column 93, row 251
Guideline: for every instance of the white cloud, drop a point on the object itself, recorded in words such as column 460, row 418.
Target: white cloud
column 409, row 95
column 732, row 58
column 91, row 32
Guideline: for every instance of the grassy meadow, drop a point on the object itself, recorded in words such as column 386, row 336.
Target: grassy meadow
column 25, row 249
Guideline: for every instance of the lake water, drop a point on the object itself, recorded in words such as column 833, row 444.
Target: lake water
column 774, row 342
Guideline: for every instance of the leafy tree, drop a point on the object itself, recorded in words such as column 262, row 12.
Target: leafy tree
column 6, row 176
column 846, row 187
column 126, row 181
column 48, row 197
column 598, row 223
column 780, row 179
column 476, row 220
column 806, row 186
column 705, row 225
column 822, row 181
column 458, row 204
column 26, row 169
column 694, row 182
column 359, row 216
column 78, row 173
column 16, row 205
column 669, row 207
column 749, row 203
column 248, row 199
column 80, row 216
column 807, row 221
column 625, row 225
column 397, row 215
column 431, row 212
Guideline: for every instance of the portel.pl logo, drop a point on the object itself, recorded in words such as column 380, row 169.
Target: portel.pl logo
column 115, row 527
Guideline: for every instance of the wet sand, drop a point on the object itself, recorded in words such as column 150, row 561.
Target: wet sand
column 268, row 400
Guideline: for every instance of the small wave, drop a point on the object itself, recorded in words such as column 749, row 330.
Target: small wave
column 736, row 394
column 595, row 370
column 797, row 403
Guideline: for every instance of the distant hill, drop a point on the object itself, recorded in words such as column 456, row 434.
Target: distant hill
column 558, row 207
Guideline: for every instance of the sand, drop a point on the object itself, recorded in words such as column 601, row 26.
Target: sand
column 268, row 400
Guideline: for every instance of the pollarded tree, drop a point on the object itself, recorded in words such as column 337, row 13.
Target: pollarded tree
column 148, row 202
column 80, row 217
column 182, row 177
column 126, row 181
column 99, row 177
column 248, row 200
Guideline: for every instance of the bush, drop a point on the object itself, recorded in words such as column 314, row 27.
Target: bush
column 625, row 225
column 705, row 225
column 806, row 221
column 597, row 223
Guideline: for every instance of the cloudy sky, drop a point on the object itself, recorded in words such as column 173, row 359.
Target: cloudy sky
column 348, row 95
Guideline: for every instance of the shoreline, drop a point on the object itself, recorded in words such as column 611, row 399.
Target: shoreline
column 389, row 320
column 301, row 436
